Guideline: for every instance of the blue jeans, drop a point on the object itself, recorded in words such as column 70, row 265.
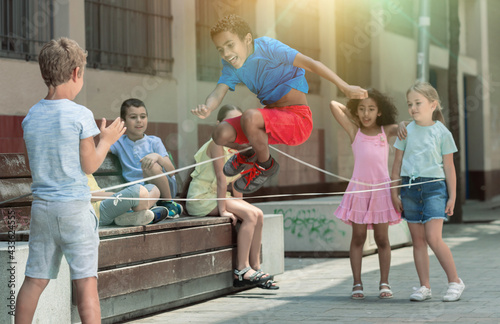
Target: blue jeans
column 423, row 202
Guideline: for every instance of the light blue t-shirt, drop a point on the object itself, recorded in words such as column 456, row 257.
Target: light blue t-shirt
column 130, row 154
column 424, row 148
column 268, row 71
column 52, row 133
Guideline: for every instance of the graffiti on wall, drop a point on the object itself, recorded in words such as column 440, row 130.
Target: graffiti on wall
column 310, row 223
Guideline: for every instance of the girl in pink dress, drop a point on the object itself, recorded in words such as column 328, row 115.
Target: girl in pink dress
column 369, row 123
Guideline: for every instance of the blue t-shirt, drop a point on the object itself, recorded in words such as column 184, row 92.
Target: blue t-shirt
column 130, row 154
column 424, row 148
column 52, row 133
column 268, row 71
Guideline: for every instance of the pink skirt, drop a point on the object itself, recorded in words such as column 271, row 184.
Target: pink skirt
column 369, row 207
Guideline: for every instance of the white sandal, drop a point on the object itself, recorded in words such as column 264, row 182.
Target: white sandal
column 385, row 290
column 357, row 292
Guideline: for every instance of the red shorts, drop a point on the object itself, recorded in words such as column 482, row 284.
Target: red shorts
column 290, row 125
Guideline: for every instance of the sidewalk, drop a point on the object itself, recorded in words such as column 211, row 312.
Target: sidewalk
column 317, row 290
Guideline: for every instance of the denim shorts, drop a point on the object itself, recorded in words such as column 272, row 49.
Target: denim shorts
column 108, row 211
column 423, row 202
column 68, row 228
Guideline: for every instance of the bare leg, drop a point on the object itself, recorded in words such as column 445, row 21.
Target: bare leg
column 420, row 254
column 249, row 234
column 88, row 300
column 27, row 299
column 146, row 204
column 252, row 123
column 225, row 135
column 161, row 182
column 356, row 252
column 433, row 233
column 381, row 232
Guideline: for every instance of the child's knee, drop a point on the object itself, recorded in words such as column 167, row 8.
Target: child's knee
column 153, row 170
column 250, row 117
column 224, row 133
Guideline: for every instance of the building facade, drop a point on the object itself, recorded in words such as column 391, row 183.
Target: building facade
column 160, row 51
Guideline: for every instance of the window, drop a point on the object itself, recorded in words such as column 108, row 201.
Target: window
column 128, row 35
column 25, row 26
column 208, row 12
column 297, row 25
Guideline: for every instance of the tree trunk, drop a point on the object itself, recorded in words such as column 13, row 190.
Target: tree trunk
column 454, row 116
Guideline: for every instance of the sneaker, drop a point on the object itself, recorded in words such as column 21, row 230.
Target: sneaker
column 174, row 209
column 237, row 163
column 421, row 294
column 160, row 213
column 454, row 291
column 142, row 217
column 254, row 178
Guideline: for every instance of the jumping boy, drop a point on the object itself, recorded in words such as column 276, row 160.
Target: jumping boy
column 275, row 73
column 59, row 141
column 143, row 156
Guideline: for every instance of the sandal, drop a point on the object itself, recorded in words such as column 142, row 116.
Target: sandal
column 269, row 283
column 357, row 292
column 254, row 279
column 385, row 290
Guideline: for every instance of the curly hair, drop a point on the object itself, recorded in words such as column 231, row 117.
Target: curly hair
column 384, row 105
column 234, row 24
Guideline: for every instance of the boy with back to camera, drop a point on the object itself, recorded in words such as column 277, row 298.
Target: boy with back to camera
column 276, row 74
column 59, row 141
column 142, row 156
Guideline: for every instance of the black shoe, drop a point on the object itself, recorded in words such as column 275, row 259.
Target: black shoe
column 254, row 178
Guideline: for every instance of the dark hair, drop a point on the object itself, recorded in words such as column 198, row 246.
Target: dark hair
column 385, row 106
column 224, row 110
column 234, row 24
column 431, row 94
column 132, row 102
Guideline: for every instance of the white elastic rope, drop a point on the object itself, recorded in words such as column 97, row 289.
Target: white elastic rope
column 274, row 196
column 165, row 173
column 329, row 173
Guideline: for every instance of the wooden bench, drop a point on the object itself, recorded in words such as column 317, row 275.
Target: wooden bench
column 141, row 269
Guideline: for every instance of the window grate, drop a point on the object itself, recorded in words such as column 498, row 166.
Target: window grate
column 130, row 36
column 25, row 26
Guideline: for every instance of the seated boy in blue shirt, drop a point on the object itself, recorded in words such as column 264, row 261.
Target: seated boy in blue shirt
column 59, row 136
column 276, row 74
column 142, row 156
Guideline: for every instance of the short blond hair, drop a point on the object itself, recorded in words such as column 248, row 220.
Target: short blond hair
column 58, row 58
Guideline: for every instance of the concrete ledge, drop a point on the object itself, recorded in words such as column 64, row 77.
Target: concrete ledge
column 311, row 229
column 55, row 301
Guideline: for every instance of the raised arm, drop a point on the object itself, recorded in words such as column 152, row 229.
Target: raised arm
column 212, row 102
column 311, row 65
column 91, row 157
column 344, row 118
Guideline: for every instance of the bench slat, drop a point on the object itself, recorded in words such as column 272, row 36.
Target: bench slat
column 13, row 166
column 156, row 274
column 142, row 247
column 22, row 220
column 11, row 188
column 171, row 224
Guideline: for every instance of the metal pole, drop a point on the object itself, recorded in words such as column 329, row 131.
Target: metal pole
column 424, row 21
